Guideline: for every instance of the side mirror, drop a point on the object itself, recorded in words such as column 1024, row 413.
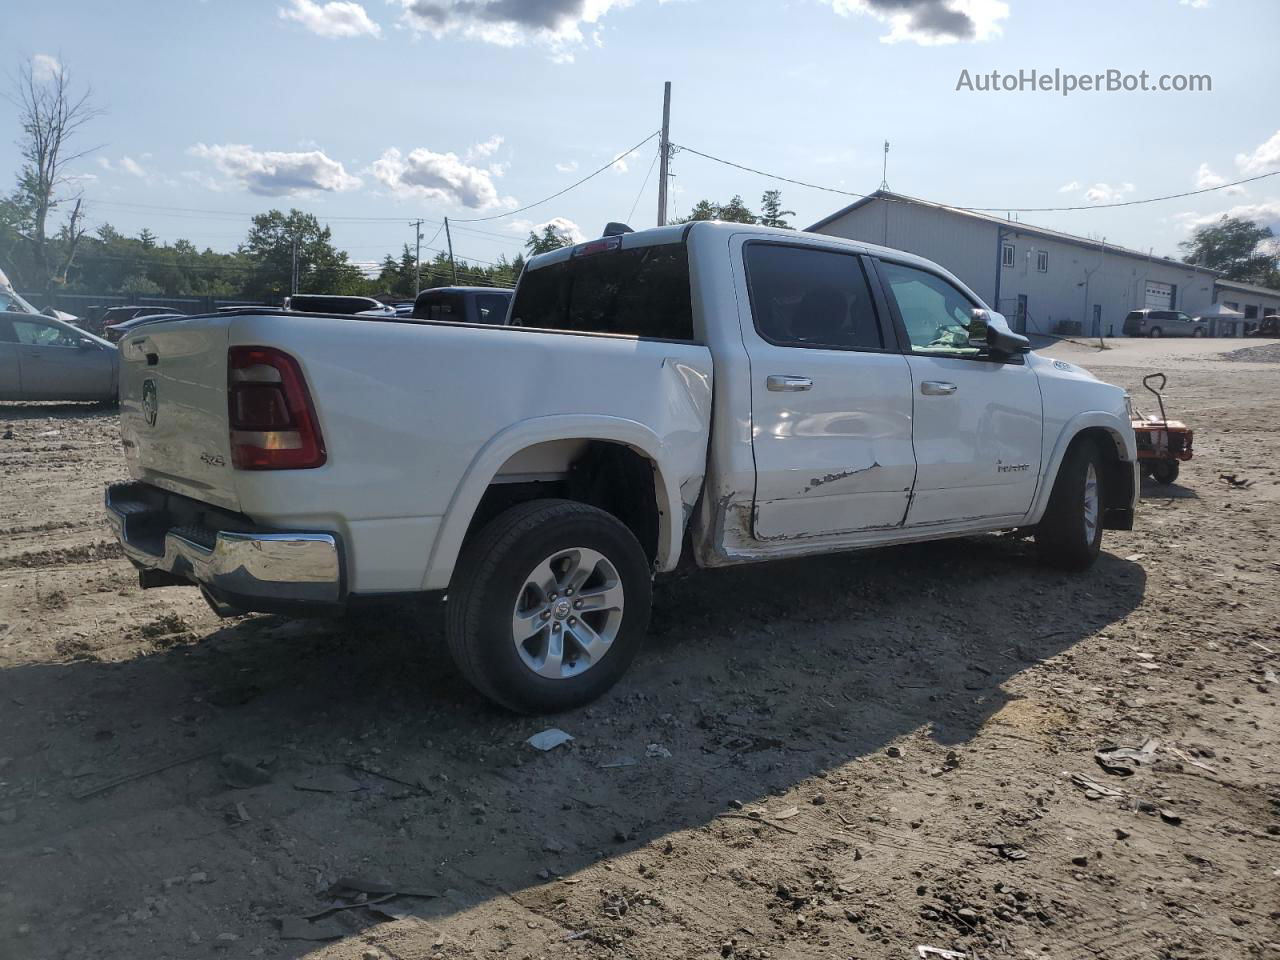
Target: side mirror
column 83, row 344
column 991, row 331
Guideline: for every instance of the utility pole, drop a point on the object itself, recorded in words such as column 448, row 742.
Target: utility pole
column 449, row 238
column 417, row 257
column 884, row 174
column 293, row 277
column 664, row 153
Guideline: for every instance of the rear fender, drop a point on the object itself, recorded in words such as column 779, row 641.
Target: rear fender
column 678, row 463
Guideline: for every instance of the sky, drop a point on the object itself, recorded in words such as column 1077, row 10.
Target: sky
column 372, row 114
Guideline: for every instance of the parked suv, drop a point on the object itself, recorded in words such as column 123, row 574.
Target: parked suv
column 486, row 305
column 1163, row 323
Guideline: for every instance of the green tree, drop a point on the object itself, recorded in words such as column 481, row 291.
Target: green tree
column 1239, row 248
column 771, row 212
column 322, row 268
column 735, row 211
column 147, row 238
column 550, row 239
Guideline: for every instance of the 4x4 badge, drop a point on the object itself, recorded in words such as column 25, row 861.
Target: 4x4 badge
column 150, row 402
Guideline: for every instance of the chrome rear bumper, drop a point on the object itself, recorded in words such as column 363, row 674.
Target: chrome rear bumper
column 241, row 569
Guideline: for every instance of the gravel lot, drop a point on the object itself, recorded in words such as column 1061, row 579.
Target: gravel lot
column 845, row 757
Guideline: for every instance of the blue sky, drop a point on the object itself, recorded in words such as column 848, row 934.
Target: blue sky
column 396, row 109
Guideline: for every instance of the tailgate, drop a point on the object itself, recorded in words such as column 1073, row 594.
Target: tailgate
column 173, row 408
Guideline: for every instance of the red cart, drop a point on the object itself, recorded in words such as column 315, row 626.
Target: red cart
column 1162, row 443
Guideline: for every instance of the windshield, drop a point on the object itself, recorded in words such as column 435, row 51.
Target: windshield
column 12, row 303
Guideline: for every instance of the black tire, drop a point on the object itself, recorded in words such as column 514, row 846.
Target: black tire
column 490, row 578
column 1154, row 332
column 1061, row 536
column 1164, row 471
column 1198, row 332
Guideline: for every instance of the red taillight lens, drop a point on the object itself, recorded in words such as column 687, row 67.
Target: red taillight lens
column 273, row 422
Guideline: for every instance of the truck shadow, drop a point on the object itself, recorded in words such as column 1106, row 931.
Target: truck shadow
column 755, row 681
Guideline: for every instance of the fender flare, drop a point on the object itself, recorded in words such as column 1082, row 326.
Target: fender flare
column 527, row 433
column 1121, row 432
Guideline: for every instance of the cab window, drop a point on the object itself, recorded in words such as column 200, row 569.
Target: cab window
column 805, row 296
column 934, row 311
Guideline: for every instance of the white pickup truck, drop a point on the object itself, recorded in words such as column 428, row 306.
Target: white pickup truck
column 712, row 391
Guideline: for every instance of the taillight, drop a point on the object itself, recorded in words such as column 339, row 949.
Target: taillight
column 273, row 422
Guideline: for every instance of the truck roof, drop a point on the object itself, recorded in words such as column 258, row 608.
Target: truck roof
column 674, row 233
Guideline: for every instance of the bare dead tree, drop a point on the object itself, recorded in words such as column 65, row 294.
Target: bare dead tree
column 50, row 114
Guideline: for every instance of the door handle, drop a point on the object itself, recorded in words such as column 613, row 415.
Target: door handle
column 780, row 384
column 937, row 388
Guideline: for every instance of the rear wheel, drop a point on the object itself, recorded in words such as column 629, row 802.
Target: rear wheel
column 1070, row 533
column 1164, row 471
column 550, row 604
column 1154, row 332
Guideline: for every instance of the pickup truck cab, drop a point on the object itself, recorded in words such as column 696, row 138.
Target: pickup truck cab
column 712, row 392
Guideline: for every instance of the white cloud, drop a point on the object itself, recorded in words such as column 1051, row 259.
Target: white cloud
column 275, row 173
column 569, row 167
column 1194, row 4
column 565, row 228
column 621, row 161
column 131, row 166
column 1071, row 187
column 554, row 24
column 340, row 18
column 931, row 22
column 44, row 67
column 444, row 177
column 1265, row 159
column 1106, row 193
column 1206, row 178
column 484, row 149
column 1264, row 212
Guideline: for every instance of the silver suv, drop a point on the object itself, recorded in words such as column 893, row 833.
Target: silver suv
column 1163, row 323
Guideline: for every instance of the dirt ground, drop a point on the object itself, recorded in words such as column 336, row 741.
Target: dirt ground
column 846, row 757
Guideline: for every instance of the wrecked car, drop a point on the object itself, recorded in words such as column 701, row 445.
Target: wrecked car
column 725, row 392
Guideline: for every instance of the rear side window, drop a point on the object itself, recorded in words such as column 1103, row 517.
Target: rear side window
column 1134, row 315
column 643, row 292
column 446, row 306
column 6, row 332
column 492, row 308
column 806, row 297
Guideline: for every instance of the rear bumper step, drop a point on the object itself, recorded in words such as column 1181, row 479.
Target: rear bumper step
column 238, row 570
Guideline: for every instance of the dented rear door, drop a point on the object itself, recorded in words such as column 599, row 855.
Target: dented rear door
column 830, row 393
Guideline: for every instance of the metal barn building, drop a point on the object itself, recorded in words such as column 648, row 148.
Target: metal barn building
column 1042, row 280
column 1253, row 303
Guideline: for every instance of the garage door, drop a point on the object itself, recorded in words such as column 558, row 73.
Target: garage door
column 1159, row 295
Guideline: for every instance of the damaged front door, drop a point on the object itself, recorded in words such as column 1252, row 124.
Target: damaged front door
column 830, row 398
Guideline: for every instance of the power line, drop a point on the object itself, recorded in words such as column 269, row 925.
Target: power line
column 1090, row 206
column 631, row 213
column 560, row 193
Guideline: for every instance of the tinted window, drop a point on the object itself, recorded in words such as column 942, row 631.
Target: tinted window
column 806, row 297
column 492, row 307
column 642, row 292
column 934, row 311
column 6, row 332
column 1134, row 315
column 440, row 306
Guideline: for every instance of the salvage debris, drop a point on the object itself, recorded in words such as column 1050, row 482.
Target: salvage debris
column 1123, row 761
column 927, row 952
column 147, row 772
column 328, row 783
column 1236, row 482
column 1092, row 788
column 296, row 928
column 548, row 739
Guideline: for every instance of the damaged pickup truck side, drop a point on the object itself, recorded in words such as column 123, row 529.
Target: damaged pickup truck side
column 731, row 392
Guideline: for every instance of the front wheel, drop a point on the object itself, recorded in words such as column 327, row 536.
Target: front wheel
column 1198, row 332
column 1154, row 332
column 1070, row 533
column 1164, row 471
column 549, row 605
